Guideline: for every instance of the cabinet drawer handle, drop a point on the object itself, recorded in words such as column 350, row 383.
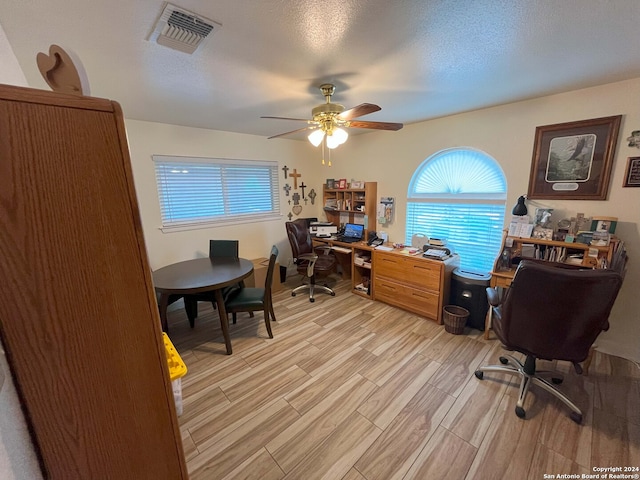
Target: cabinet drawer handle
column 420, row 267
column 390, row 260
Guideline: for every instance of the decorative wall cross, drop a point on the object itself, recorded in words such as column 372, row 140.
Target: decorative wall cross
column 312, row 196
column 290, row 215
column 286, row 188
column 295, row 175
column 296, row 198
column 285, row 169
column 302, row 187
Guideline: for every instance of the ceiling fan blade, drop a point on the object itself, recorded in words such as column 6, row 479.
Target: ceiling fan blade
column 359, row 110
column 376, row 125
column 294, row 119
column 292, row 131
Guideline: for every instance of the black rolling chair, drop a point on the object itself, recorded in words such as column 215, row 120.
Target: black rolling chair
column 553, row 313
column 309, row 261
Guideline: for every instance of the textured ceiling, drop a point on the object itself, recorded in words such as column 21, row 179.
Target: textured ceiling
column 417, row 59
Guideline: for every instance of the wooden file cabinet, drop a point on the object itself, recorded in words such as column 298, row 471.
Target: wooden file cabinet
column 416, row 284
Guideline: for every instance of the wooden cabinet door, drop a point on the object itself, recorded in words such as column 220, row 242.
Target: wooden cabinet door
column 77, row 313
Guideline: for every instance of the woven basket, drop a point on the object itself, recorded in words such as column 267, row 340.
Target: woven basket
column 455, row 318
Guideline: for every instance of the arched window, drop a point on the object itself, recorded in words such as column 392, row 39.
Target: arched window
column 459, row 195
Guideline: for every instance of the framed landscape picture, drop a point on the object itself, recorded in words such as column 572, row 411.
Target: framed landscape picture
column 573, row 160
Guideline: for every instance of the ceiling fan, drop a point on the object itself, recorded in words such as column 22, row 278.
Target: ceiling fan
column 330, row 119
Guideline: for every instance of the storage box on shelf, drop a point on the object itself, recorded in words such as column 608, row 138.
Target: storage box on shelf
column 356, row 202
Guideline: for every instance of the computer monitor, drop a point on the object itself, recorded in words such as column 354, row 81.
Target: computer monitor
column 352, row 230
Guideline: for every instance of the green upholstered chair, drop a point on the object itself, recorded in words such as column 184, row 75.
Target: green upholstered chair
column 254, row 299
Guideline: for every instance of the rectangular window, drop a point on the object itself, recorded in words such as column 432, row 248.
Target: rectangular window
column 203, row 192
column 474, row 230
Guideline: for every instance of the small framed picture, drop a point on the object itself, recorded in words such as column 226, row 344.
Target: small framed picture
column 331, row 183
column 604, row 224
column 632, row 176
column 357, row 184
column 342, row 183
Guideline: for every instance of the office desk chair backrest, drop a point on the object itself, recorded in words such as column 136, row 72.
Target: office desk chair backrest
column 299, row 237
column 556, row 313
column 309, row 260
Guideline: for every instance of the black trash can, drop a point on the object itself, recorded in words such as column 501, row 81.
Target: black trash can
column 468, row 290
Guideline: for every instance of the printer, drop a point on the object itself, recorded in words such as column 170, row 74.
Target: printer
column 322, row 229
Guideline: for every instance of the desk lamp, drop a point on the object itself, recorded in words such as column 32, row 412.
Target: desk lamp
column 520, row 208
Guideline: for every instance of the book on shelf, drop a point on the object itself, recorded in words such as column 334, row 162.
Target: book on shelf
column 331, row 204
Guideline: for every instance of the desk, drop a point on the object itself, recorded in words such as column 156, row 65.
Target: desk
column 343, row 252
column 198, row 276
column 499, row 279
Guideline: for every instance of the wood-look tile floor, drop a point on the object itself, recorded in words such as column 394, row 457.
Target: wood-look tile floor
column 353, row 389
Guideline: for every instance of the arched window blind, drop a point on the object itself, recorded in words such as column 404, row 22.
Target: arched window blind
column 459, row 194
column 207, row 191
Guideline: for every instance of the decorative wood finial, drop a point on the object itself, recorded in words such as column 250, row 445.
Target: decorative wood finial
column 61, row 73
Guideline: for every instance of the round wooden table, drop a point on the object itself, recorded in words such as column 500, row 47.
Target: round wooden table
column 198, row 276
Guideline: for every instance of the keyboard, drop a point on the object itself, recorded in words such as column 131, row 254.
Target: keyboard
column 348, row 239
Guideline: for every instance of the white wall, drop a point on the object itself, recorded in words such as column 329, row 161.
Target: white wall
column 256, row 239
column 507, row 134
column 17, row 457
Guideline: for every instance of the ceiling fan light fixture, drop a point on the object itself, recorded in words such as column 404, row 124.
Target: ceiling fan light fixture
column 316, row 137
column 340, row 135
column 332, row 141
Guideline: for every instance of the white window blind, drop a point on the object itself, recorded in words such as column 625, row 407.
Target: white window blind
column 459, row 195
column 207, row 191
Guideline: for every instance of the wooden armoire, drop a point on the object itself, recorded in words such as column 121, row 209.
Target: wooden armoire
column 78, row 315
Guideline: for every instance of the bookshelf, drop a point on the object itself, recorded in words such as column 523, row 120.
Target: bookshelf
column 358, row 205
column 361, row 274
column 579, row 254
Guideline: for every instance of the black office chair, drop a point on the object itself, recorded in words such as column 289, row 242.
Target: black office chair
column 309, row 261
column 253, row 299
column 217, row 249
column 553, row 313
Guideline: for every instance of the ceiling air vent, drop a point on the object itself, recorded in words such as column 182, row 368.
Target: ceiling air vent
column 182, row 30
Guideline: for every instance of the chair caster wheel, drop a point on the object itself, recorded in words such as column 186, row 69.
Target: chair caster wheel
column 479, row 374
column 312, row 300
column 333, row 294
column 556, row 380
column 293, row 294
column 520, row 412
column 576, row 417
column 504, row 360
